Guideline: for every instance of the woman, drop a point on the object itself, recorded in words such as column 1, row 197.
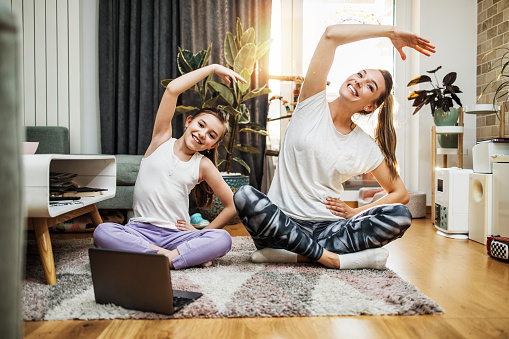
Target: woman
column 303, row 217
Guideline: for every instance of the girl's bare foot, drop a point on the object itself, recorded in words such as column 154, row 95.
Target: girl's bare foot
column 206, row 263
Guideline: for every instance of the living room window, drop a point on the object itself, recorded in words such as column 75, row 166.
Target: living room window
column 296, row 29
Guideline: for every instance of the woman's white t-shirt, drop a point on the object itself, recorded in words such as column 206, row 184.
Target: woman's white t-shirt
column 315, row 159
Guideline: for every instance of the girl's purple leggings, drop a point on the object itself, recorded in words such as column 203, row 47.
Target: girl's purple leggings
column 195, row 247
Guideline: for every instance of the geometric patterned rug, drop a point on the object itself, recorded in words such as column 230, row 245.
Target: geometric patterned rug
column 232, row 287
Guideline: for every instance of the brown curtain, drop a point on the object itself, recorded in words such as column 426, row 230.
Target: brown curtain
column 203, row 22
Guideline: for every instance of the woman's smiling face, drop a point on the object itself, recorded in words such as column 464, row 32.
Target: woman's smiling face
column 363, row 88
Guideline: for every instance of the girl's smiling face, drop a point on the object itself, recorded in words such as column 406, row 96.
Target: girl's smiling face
column 203, row 132
column 363, row 88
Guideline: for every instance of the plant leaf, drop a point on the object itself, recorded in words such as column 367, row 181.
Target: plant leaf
column 456, row 99
column 435, row 70
column 254, row 131
column 256, row 92
column 230, row 49
column 165, row 82
column 182, row 63
column 223, row 90
column 245, row 58
column 184, row 109
column 240, row 31
column 229, row 109
column 220, row 162
column 247, row 148
column 244, row 116
column 248, row 37
column 210, row 102
column 415, row 94
column 198, row 58
column 419, row 99
column 449, row 79
column 243, row 163
column 254, row 125
column 262, row 49
column 247, row 76
column 420, row 79
column 207, row 56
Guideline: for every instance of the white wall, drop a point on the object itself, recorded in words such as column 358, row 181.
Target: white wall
column 59, row 59
column 90, row 119
column 452, row 27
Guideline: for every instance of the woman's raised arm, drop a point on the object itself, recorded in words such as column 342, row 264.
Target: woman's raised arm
column 337, row 35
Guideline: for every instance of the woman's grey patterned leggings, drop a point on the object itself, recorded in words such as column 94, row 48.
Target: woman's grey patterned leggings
column 270, row 227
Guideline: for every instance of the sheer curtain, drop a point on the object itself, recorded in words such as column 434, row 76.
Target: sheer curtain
column 203, row 22
column 137, row 49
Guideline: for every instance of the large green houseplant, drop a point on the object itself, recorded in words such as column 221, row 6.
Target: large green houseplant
column 241, row 52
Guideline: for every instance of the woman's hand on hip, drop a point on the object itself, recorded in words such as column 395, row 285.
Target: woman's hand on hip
column 339, row 207
column 182, row 225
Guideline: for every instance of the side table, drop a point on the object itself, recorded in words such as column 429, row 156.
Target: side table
column 97, row 171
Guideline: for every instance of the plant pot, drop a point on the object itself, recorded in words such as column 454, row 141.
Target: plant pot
column 448, row 140
column 235, row 181
column 449, row 118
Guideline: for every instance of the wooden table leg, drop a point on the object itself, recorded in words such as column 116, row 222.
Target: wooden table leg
column 45, row 250
column 95, row 216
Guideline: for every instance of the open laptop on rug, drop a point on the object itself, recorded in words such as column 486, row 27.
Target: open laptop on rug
column 134, row 280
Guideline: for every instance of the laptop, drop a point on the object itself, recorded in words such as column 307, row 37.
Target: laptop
column 134, row 280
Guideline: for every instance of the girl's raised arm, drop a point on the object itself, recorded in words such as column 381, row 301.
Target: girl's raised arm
column 162, row 126
column 337, row 35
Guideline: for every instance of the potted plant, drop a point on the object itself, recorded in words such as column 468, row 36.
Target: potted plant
column 441, row 100
column 241, row 52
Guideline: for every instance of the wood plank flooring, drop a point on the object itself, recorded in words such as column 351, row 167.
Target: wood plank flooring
column 457, row 274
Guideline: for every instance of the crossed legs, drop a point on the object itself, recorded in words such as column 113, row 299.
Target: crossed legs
column 358, row 240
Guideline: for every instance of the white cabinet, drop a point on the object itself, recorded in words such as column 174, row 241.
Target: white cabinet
column 97, row 171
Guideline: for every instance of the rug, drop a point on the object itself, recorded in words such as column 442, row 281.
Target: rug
column 231, row 287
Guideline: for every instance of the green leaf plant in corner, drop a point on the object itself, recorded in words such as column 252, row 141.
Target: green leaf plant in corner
column 241, row 52
column 439, row 97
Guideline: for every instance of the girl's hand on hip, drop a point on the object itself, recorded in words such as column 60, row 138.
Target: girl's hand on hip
column 402, row 38
column 182, row 225
column 226, row 73
column 339, row 207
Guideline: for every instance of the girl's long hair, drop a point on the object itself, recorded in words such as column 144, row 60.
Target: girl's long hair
column 202, row 193
column 385, row 134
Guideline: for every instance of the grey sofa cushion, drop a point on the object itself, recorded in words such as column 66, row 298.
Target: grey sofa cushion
column 52, row 139
column 127, row 168
column 123, row 199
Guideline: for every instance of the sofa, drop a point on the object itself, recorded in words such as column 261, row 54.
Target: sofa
column 55, row 139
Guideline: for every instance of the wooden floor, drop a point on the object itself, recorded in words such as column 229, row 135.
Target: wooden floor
column 457, row 274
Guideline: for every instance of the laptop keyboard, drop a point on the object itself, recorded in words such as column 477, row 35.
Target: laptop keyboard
column 178, row 302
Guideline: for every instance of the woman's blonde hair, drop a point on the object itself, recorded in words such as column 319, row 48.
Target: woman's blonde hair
column 203, row 193
column 385, row 134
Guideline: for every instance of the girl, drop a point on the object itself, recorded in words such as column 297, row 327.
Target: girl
column 170, row 169
column 303, row 218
